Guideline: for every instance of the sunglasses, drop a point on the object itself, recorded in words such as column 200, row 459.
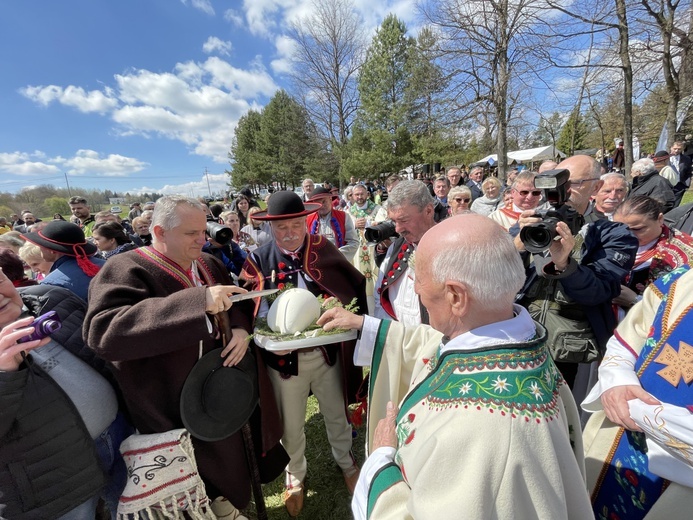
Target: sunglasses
column 459, row 200
column 534, row 193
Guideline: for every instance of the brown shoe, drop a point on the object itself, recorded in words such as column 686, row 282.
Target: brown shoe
column 351, row 476
column 293, row 500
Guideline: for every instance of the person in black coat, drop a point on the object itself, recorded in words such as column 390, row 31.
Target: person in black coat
column 648, row 182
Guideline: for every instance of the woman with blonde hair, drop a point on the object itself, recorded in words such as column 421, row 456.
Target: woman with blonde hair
column 459, row 198
column 491, row 199
column 31, row 256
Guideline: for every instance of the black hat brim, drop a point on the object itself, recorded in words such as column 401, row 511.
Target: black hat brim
column 39, row 240
column 240, row 393
column 310, row 207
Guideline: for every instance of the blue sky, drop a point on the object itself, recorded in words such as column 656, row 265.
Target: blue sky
column 139, row 95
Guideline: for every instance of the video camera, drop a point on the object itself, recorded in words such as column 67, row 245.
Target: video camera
column 537, row 237
column 379, row 232
column 220, row 233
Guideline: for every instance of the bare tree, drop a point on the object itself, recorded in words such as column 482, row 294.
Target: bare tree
column 487, row 45
column 329, row 51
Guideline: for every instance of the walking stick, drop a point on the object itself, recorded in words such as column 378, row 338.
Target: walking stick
column 255, row 481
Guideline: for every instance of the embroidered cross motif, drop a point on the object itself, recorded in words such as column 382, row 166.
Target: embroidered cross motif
column 679, row 365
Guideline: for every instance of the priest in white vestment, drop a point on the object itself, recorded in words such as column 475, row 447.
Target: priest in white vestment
column 468, row 417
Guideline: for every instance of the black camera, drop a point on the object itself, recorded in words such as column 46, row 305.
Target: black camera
column 220, row 233
column 379, row 232
column 537, row 237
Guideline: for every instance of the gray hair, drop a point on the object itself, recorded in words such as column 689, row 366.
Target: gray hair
column 615, row 176
column 165, row 212
column 409, row 193
column 491, row 268
column 524, row 177
column 459, row 190
column 643, row 166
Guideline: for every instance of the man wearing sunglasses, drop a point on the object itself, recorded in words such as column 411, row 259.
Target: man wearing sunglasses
column 570, row 286
column 524, row 197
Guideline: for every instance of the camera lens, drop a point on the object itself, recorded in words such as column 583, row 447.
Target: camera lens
column 538, row 237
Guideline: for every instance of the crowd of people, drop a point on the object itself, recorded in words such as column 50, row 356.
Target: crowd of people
column 506, row 379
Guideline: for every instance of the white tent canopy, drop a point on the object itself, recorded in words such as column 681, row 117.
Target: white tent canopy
column 525, row 156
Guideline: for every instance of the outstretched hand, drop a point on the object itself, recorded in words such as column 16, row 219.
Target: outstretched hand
column 615, row 404
column 340, row 318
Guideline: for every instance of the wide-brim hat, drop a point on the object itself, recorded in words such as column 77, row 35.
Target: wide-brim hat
column 284, row 205
column 660, row 156
column 63, row 237
column 216, row 401
column 321, row 193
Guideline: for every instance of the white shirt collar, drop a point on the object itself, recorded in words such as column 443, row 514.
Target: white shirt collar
column 517, row 329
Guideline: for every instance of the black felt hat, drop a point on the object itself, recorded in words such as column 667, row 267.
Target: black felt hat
column 64, row 237
column 217, row 401
column 660, row 156
column 321, row 193
column 284, row 205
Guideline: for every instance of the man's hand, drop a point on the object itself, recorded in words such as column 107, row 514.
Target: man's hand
column 615, row 404
column 526, row 217
column 218, row 297
column 385, row 435
column 10, row 350
column 360, row 223
column 340, row 318
column 560, row 249
column 627, row 298
column 236, row 348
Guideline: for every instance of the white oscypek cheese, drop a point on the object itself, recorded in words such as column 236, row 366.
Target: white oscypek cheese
column 293, row 311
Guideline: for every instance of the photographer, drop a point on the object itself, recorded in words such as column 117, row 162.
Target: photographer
column 221, row 245
column 570, row 285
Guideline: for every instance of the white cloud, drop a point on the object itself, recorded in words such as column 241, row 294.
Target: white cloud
column 234, row 17
column 89, row 162
column 203, row 5
column 23, row 164
column 285, row 49
column 217, row 183
column 84, row 162
column 76, row 97
column 214, row 44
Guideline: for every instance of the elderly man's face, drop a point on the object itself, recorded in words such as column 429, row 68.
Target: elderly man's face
column 308, row 187
column 411, row 222
column 430, row 292
column 289, row 234
column 10, row 301
column 476, row 175
column 610, row 196
column 441, row 189
column 454, row 176
column 526, row 196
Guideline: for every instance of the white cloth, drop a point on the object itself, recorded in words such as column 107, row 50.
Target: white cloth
column 350, row 237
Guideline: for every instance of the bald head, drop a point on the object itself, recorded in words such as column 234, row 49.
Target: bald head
column 585, row 172
column 468, row 254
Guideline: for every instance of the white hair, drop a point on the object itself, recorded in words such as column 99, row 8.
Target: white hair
column 643, row 166
column 491, row 269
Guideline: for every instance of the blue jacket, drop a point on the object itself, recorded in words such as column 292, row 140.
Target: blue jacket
column 66, row 273
column 607, row 255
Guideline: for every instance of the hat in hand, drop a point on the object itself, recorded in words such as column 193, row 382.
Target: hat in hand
column 284, row 205
column 217, row 401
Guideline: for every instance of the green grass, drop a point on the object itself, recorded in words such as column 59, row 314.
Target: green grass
column 327, row 497
column 687, row 197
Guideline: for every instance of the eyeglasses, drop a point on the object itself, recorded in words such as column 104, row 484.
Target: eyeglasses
column 525, row 193
column 579, row 183
column 460, row 200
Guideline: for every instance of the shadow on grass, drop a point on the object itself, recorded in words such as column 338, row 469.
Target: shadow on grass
column 327, row 497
